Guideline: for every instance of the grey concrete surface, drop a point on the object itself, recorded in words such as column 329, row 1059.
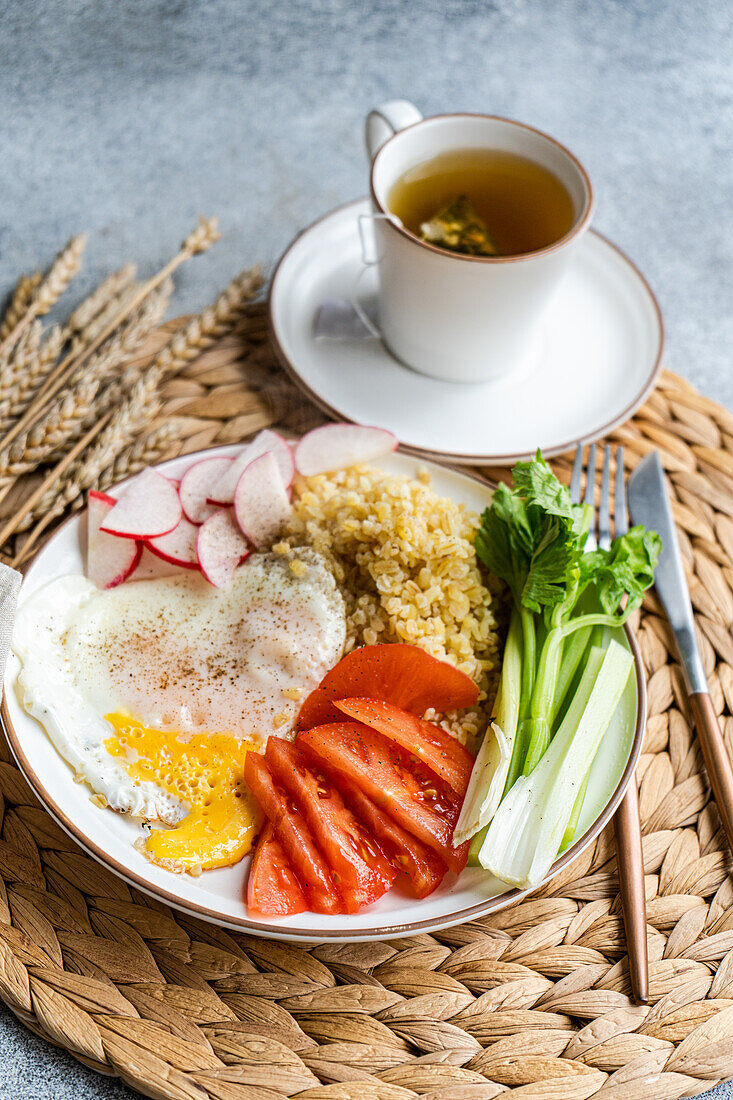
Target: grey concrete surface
column 125, row 118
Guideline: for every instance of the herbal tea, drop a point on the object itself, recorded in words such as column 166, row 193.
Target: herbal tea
column 483, row 203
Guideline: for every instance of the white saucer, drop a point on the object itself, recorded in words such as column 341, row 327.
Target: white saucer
column 600, row 348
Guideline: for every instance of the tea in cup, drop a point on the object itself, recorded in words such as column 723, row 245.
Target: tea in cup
column 475, row 220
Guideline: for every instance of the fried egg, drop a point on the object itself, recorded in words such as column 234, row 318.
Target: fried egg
column 153, row 691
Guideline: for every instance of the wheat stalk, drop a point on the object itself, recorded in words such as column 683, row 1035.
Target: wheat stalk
column 64, row 423
column 61, row 272
column 100, row 298
column 125, row 340
column 146, row 451
column 115, row 308
column 26, row 372
column 215, row 321
column 51, row 432
column 132, row 416
column 28, row 342
column 198, row 241
column 14, row 362
column 19, row 519
column 66, row 490
column 49, row 290
column 21, row 297
column 107, row 367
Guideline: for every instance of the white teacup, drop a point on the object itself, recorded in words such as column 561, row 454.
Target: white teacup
column 451, row 316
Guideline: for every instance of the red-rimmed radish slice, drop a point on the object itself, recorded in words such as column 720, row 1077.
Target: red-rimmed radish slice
column 197, row 486
column 147, row 508
column 221, row 548
column 110, row 560
column 336, row 446
column 261, row 503
column 223, row 492
column 179, row 546
column 153, row 568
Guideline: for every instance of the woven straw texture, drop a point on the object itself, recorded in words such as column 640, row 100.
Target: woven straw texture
column 530, row 1002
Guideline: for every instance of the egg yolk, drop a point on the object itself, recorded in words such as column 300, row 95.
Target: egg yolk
column 204, row 771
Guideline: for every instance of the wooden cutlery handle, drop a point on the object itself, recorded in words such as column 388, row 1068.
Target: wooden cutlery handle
column 631, row 887
column 715, row 755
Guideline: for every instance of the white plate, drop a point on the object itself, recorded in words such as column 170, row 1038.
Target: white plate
column 218, row 895
column 599, row 352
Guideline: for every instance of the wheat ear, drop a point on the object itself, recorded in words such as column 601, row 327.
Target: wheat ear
column 50, row 433
column 128, row 337
column 146, row 451
column 62, row 425
column 20, row 299
column 116, row 307
column 67, row 489
column 15, row 362
column 31, row 502
column 26, row 372
column 198, row 241
column 50, row 289
column 96, row 302
column 215, row 321
column 107, row 366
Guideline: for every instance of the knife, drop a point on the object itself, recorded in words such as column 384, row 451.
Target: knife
column 648, row 502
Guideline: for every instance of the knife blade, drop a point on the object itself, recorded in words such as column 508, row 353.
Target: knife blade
column 649, row 504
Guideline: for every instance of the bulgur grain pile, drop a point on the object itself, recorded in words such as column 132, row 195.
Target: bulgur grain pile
column 404, row 559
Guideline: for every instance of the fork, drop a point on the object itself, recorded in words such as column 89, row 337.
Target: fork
column 626, row 820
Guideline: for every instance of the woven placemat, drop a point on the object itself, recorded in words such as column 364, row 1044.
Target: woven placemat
column 532, row 1001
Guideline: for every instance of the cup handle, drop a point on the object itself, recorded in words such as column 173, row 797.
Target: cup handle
column 385, row 120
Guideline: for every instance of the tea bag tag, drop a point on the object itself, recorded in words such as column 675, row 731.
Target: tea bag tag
column 337, row 319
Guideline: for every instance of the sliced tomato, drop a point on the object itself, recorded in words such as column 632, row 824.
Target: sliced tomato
column 311, row 869
column 361, row 871
column 397, row 673
column 400, row 784
column 423, row 869
column 272, row 887
column 436, row 748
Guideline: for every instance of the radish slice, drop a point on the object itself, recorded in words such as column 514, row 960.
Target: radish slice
column 179, row 546
column 197, row 486
column 151, row 567
column 221, row 548
column 336, row 446
column 223, row 492
column 261, row 503
column 110, row 560
column 147, row 508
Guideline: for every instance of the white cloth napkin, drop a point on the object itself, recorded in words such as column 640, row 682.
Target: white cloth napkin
column 9, row 587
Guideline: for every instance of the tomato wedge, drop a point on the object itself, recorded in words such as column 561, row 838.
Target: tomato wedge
column 399, row 784
column 436, row 748
column 360, row 870
column 272, row 888
column 423, row 869
column 398, row 673
column 311, row 869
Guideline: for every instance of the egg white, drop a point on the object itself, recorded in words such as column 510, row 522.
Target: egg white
column 175, row 653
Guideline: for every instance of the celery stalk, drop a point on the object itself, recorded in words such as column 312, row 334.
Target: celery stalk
column 486, row 785
column 572, row 825
column 476, row 845
column 527, row 829
column 572, row 655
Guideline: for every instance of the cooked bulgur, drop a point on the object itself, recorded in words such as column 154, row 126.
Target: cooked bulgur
column 404, row 559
